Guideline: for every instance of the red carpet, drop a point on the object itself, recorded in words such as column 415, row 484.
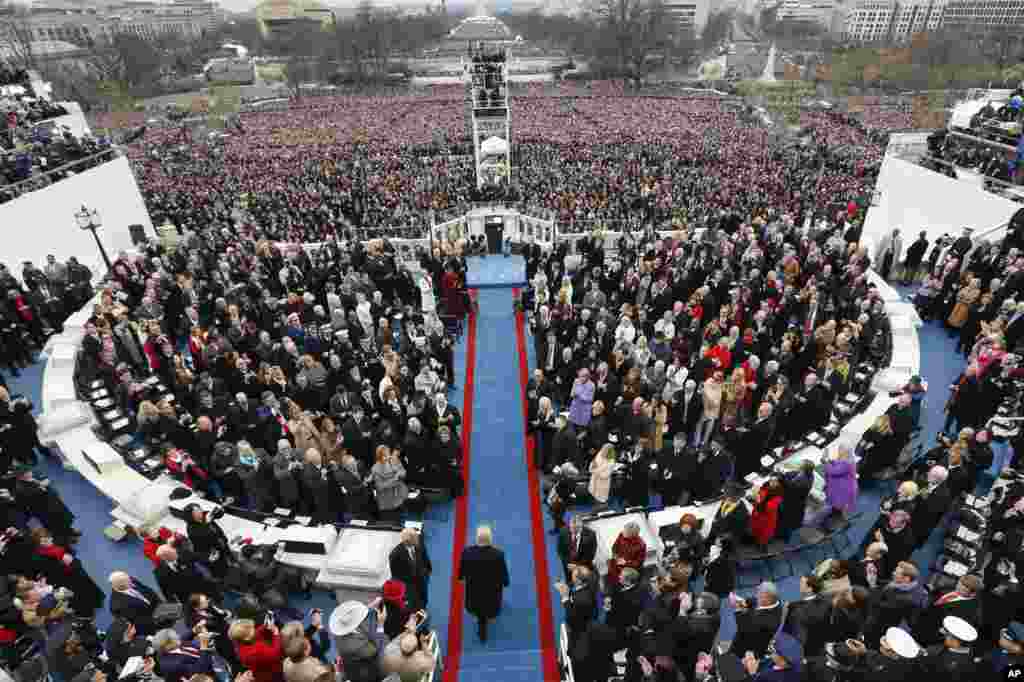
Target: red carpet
column 456, row 611
column 549, row 654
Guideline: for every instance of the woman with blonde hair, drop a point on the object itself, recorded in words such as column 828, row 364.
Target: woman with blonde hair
column 329, row 441
column 389, row 479
column 734, row 394
column 601, row 469
column 303, row 430
column 879, row 448
column 840, row 485
column 315, row 482
column 965, row 300
column 147, row 419
column 712, row 401
column 542, row 426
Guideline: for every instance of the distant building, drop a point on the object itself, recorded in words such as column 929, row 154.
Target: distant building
column 899, row 20
column 690, row 14
column 283, row 19
column 84, row 25
column 811, row 12
column 870, row 21
column 989, row 13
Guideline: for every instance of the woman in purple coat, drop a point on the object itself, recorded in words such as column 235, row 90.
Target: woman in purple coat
column 582, row 399
column 840, row 486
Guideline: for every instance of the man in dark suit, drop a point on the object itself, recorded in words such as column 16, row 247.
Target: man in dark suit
column 915, row 254
column 443, row 414
column 577, row 545
column 180, row 662
column 565, row 445
column 179, row 578
column 962, row 603
column 485, row 573
column 688, row 406
column 677, row 465
column 796, row 488
column 1015, row 328
column 750, row 443
column 579, row 599
column 410, row 563
column 627, row 601
column 933, row 503
column 134, row 602
column 693, row 632
column 732, row 518
column 757, row 623
column 356, row 433
column 813, row 405
column 808, row 613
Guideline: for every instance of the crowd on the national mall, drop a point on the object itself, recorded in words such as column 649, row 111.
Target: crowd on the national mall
column 312, row 373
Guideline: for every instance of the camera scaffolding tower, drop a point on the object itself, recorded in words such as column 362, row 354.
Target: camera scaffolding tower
column 487, row 94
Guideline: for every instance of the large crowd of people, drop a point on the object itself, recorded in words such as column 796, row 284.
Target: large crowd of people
column 300, row 370
column 673, row 366
column 582, row 159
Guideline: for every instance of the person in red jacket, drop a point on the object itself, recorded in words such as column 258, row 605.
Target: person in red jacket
column 259, row 649
column 764, row 519
column 628, row 551
column 155, row 539
column 720, row 355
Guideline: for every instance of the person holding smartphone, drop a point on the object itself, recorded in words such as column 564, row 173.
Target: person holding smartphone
column 259, row 648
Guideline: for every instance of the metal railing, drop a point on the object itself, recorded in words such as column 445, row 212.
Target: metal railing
column 989, row 181
column 46, row 178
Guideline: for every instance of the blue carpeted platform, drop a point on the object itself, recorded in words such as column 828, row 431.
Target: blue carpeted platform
column 491, row 272
column 499, row 496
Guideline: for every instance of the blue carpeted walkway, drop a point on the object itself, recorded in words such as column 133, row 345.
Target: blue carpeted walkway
column 495, row 272
column 499, row 496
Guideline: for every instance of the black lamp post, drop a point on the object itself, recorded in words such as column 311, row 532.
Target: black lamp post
column 90, row 220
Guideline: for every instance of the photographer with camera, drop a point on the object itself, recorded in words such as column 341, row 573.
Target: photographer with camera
column 202, row 614
column 208, row 539
column 178, row 661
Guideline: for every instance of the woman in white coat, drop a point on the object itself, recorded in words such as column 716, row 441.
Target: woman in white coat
column 601, row 468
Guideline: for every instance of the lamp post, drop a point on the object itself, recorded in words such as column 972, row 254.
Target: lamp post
column 90, row 220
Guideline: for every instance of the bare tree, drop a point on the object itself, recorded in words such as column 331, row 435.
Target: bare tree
column 16, row 36
column 296, row 72
column 631, row 32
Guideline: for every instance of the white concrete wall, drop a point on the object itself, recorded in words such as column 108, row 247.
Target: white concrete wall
column 913, row 198
column 43, row 222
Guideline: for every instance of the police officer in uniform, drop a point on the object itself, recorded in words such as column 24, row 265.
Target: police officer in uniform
column 953, row 659
column 897, row 658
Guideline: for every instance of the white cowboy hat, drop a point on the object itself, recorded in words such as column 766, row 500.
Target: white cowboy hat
column 347, row 617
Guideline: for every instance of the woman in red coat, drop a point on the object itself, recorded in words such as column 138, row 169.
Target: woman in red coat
column 629, row 551
column 259, row 649
column 764, row 519
column 62, row 569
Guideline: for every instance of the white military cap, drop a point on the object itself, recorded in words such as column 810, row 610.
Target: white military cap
column 959, row 628
column 902, row 643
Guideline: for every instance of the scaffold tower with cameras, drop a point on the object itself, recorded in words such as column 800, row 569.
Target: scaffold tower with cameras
column 487, row 92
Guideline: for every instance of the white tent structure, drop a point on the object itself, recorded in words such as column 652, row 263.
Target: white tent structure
column 494, row 146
